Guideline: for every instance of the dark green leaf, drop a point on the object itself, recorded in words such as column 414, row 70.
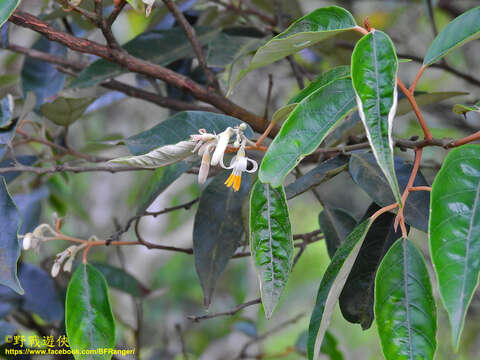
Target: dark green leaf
column 336, row 225
column 9, row 244
column 271, row 242
column 41, row 77
column 405, row 309
column 331, row 286
column 366, row 173
column 318, row 175
column 158, row 182
column 65, row 111
column 88, row 316
column 374, row 77
column 462, row 29
column 329, row 346
column 455, row 232
column 305, row 128
column 7, row 7
column 157, row 46
column 30, row 207
column 356, row 299
column 463, row 109
column 304, row 32
column 339, row 72
column 120, row 279
column 179, row 127
column 6, row 112
column 217, row 230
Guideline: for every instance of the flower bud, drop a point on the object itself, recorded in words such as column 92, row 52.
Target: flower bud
column 242, row 126
column 205, row 166
column 27, row 241
column 55, row 269
column 223, row 140
column 68, row 264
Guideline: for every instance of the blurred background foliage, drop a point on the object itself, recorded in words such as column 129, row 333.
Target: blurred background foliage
column 93, row 203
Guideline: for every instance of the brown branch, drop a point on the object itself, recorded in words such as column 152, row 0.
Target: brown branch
column 119, row 5
column 231, row 312
column 192, row 37
column 139, row 66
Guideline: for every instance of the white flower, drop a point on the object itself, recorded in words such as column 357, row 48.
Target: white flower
column 239, row 164
column 223, row 140
column 149, row 4
column 55, row 269
column 27, row 241
column 68, row 264
column 204, row 151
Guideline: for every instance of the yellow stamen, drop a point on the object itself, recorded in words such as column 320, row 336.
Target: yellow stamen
column 229, row 181
column 234, row 181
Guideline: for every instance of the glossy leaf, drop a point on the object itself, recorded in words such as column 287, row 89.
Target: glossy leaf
column 305, row 129
column 318, row 175
column 7, row 7
column 357, row 297
column 308, row 30
column 405, row 309
column 374, row 76
column 336, row 225
column 121, row 280
column 460, row 30
column 455, row 232
column 160, row 47
column 41, row 77
column 88, row 317
column 65, row 111
column 339, row 72
column 283, row 113
column 158, row 182
column 179, row 127
column 331, row 286
column 463, row 109
column 9, row 244
column 366, row 173
column 271, row 242
column 217, row 230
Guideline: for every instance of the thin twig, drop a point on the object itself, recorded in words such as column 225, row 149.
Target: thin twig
column 269, row 95
column 235, row 310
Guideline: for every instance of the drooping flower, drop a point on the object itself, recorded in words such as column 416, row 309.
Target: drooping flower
column 223, row 139
column 239, row 164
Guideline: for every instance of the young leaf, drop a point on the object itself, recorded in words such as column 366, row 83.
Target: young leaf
column 65, row 111
column 356, row 299
column 160, row 47
column 455, row 232
column 460, row 30
column 179, row 127
column 217, row 230
column 9, row 244
column 138, row 5
column 305, row 128
column 461, row 109
column 405, row 309
column 318, row 175
column 306, row 31
column 7, row 7
column 366, row 173
column 89, row 319
column 336, row 225
column 332, row 285
column 43, row 78
column 271, row 242
column 374, row 76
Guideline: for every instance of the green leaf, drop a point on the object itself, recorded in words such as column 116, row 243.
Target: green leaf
column 455, row 232
column 271, row 242
column 217, row 230
column 366, row 173
column 331, row 286
column 283, row 113
column 7, row 7
column 318, row 175
column 41, row 77
column 329, row 346
column 374, row 76
column 138, row 5
column 305, row 129
column 65, row 111
column 339, row 72
column 179, row 127
column 160, row 180
column 405, row 309
column 89, row 319
column 463, row 109
column 160, row 47
column 357, row 297
column 336, row 225
column 9, row 244
column 424, row 98
column 304, row 32
column 460, row 30
column 6, row 111
column 121, row 280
